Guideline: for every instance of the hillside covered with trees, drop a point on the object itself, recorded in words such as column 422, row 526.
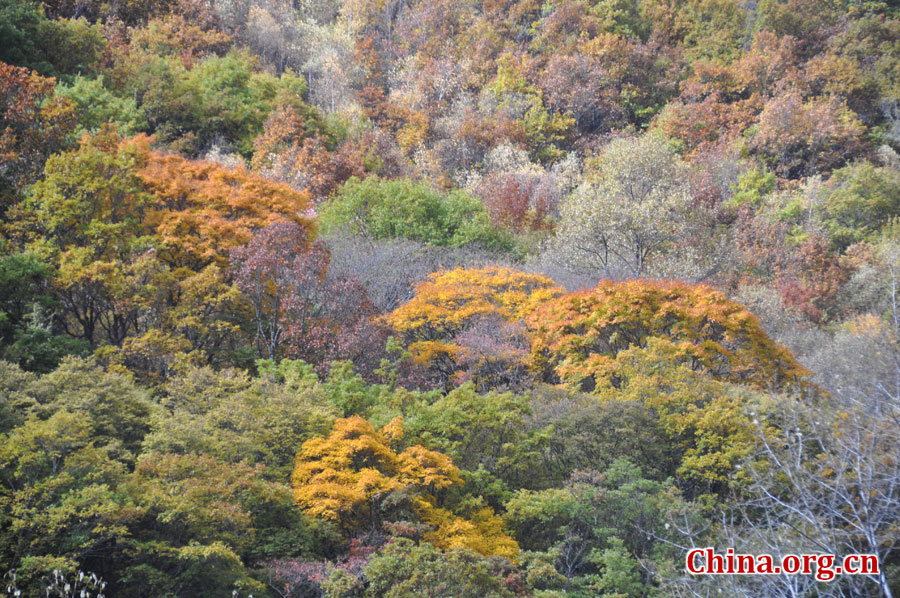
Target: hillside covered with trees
column 447, row 298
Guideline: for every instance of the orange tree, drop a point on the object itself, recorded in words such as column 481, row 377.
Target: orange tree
column 205, row 209
column 466, row 319
column 355, row 478
column 578, row 338
column 139, row 243
column 33, row 124
column 113, row 191
column 694, row 358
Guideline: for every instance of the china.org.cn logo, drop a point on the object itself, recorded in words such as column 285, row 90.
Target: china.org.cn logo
column 825, row 567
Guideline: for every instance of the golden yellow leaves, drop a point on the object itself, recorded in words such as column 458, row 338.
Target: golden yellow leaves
column 578, row 338
column 456, row 317
column 348, row 477
column 450, row 299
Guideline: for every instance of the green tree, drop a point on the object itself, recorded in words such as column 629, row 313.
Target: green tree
column 20, row 23
column 388, row 209
column 404, row 570
column 709, row 423
column 752, row 188
column 219, row 98
column 119, row 411
column 233, row 417
column 86, row 216
column 583, row 433
column 50, row 47
column 14, row 400
column 96, row 106
column 598, row 526
column 28, row 336
column 860, row 199
column 58, row 502
column 195, row 523
column 91, row 197
column 484, row 434
column 71, row 46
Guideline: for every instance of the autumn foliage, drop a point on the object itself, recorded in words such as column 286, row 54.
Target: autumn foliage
column 203, row 210
column 470, row 317
column 448, row 301
column 33, row 124
column 578, row 338
column 298, row 310
column 430, row 299
column 355, row 477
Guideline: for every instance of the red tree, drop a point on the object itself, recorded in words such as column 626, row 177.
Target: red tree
column 300, row 312
column 33, row 124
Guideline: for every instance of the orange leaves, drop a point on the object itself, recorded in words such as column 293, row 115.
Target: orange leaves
column 719, row 102
column 450, row 300
column 205, row 209
column 463, row 321
column 33, row 124
column 334, row 477
column 199, row 210
column 578, row 338
column 284, row 129
column 140, row 240
column 674, row 348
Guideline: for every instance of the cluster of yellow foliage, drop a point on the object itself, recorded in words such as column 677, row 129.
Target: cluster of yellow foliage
column 349, row 476
column 688, row 353
column 578, row 338
column 450, row 301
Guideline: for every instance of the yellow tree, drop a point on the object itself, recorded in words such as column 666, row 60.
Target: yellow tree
column 688, row 354
column 579, row 339
column 466, row 319
column 355, row 477
column 709, row 421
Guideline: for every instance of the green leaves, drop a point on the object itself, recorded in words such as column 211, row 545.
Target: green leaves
column 385, row 209
column 91, row 197
column 860, row 200
column 234, row 417
column 118, row 410
column 26, row 305
column 220, row 96
column 185, row 522
column 97, row 106
column 597, row 527
column 404, row 570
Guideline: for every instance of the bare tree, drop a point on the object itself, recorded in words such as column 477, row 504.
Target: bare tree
column 826, row 479
column 631, row 209
column 390, row 268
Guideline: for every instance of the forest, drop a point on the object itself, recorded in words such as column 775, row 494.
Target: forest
column 447, row 298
